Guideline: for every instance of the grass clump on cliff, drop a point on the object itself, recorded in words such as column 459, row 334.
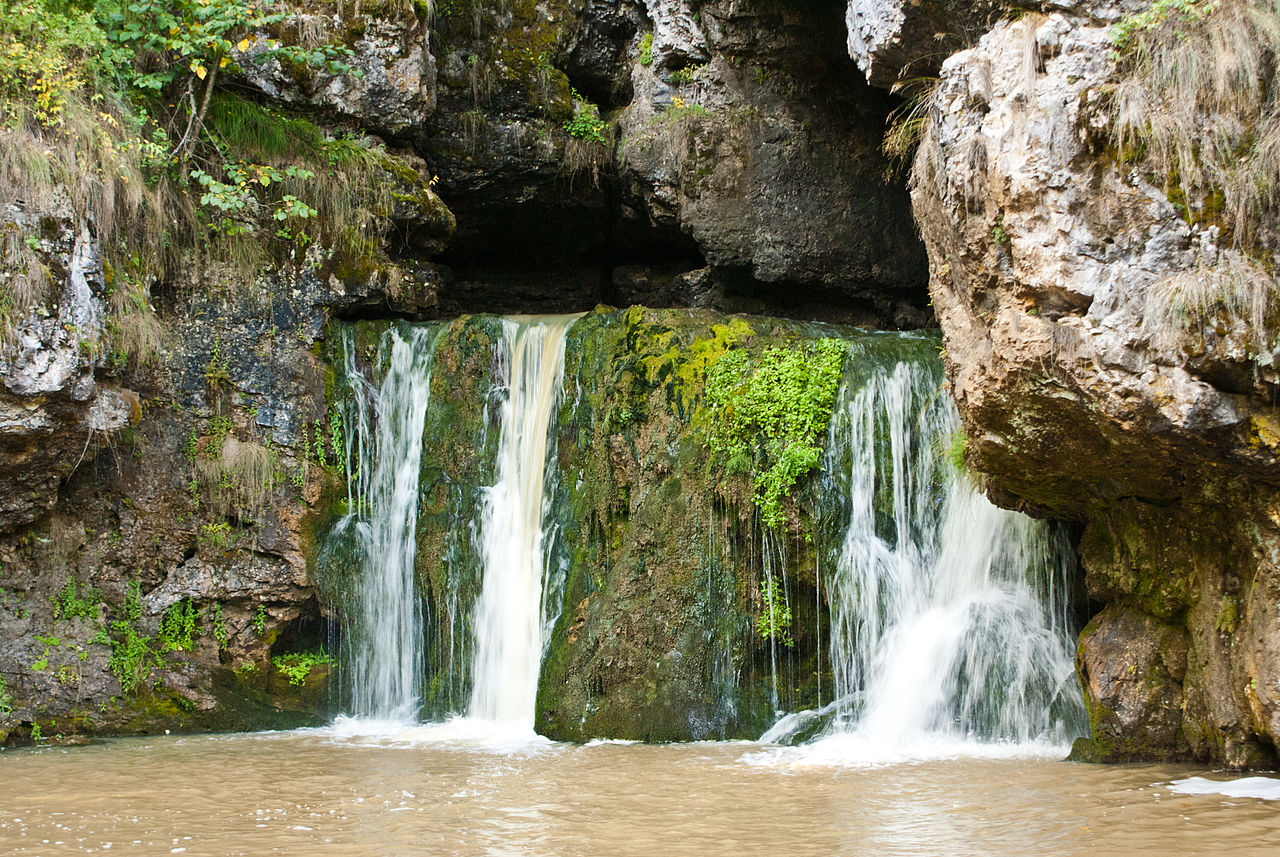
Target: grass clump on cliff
column 1197, row 109
column 1196, row 98
column 769, row 417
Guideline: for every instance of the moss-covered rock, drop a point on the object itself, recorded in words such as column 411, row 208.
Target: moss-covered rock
column 661, row 546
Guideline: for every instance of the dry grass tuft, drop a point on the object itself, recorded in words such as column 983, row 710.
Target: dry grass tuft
column 1197, row 101
column 909, row 121
column 238, row 480
column 1236, row 293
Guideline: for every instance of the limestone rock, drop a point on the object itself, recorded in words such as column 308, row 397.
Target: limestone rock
column 51, row 406
column 677, row 38
column 893, row 40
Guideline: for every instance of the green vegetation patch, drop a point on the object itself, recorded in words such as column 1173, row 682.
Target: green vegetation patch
column 297, row 666
column 769, row 416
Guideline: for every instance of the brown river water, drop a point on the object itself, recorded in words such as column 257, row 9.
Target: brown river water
column 433, row 791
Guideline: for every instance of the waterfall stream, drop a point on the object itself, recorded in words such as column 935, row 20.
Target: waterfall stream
column 949, row 616
column 509, row 620
column 384, row 635
column 384, row 649
column 941, row 615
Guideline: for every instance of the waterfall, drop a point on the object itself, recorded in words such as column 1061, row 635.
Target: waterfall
column 938, row 614
column 948, row 616
column 510, row 623
column 384, row 640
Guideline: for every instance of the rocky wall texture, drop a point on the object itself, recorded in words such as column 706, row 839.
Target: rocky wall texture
column 1047, row 252
column 166, row 439
column 748, row 129
column 715, row 137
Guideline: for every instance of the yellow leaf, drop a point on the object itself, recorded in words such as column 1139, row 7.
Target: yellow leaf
column 200, row 71
column 244, row 44
column 223, row 62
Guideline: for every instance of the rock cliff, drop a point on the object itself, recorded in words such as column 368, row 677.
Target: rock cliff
column 1105, row 325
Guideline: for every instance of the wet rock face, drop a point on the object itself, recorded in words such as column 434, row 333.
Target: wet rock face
column 196, row 509
column 773, row 132
column 1132, row 668
column 655, row 639
column 1043, row 253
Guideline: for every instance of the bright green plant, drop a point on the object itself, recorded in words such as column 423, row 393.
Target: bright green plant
column 6, row 699
column 1157, row 13
column 298, row 665
column 73, row 601
column 646, row 49
column 688, row 74
column 776, row 413
column 234, row 195
column 954, row 447
column 586, row 123
column 217, row 535
column 178, row 627
column 336, row 438
column 132, row 659
column 774, row 621
column 260, row 621
column 218, row 627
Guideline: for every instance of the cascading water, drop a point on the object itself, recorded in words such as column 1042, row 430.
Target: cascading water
column 507, row 622
column 512, row 618
column 384, row 640
column 948, row 616
column 945, row 616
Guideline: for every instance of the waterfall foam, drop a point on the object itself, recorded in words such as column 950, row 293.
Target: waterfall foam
column 949, row 618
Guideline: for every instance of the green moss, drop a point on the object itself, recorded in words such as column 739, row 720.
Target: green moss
column 657, row 554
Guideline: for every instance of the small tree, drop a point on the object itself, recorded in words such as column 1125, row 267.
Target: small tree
column 195, row 40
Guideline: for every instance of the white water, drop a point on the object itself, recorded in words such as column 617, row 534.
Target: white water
column 511, row 622
column 947, row 618
column 386, row 656
column 947, row 614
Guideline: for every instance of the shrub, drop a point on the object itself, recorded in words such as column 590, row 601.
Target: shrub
column 586, row 123
column 776, row 411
